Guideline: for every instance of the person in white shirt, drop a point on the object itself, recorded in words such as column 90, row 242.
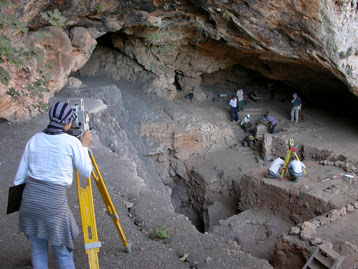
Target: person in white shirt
column 46, row 167
column 246, row 123
column 240, row 97
column 295, row 169
column 273, row 170
column 233, row 105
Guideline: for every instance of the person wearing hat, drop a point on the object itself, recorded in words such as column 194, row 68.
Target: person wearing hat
column 272, row 123
column 46, row 167
column 245, row 123
column 249, row 140
column 296, row 107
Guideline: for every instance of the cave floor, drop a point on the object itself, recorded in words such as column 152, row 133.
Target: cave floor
column 321, row 129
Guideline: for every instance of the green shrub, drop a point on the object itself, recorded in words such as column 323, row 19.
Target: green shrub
column 349, row 51
column 159, row 233
column 55, row 18
column 12, row 57
column 349, row 70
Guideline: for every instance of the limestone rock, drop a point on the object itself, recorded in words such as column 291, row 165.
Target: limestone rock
column 163, row 87
column 343, row 211
column 73, row 83
column 58, row 51
column 261, row 129
column 307, row 231
column 350, row 208
column 324, row 220
column 334, row 214
column 295, row 231
column 316, row 241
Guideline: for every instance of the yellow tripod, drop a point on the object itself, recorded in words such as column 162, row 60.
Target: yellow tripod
column 288, row 157
column 88, row 220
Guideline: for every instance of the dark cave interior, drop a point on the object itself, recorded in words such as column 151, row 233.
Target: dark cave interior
column 316, row 87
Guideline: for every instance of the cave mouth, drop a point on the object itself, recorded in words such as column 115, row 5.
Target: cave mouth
column 205, row 214
column 316, row 87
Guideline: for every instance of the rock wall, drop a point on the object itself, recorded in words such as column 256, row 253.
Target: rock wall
column 185, row 137
column 310, row 47
column 63, row 53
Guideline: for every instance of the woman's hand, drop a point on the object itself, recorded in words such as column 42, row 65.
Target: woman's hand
column 86, row 138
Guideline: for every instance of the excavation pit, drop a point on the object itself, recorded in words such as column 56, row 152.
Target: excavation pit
column 268, row 208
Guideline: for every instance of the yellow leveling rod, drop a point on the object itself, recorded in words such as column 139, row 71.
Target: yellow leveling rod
column 88, row 220
column 107, row 201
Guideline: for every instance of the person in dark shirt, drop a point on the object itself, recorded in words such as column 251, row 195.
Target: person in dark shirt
column 190, row 96
column 249, row 140
column 296, row 107
column 272, row 123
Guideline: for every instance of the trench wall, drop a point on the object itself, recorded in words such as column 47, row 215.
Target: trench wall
column 293, row 249
column 290, row 204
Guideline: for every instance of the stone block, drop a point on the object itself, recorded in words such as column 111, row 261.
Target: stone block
column 350, row 208
column 316, row 241
column 334, row 214
column 343, row 211
column 261, row 129
column 324, row 220
column 307, row 231
column 295, row 231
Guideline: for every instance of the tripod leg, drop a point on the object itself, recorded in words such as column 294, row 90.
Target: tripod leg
column 88, row 220
column 287, row 160
column 108, row 202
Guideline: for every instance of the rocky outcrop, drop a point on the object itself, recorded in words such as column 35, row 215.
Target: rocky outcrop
column 62, row 55
column 310, row 47
column 185, row 138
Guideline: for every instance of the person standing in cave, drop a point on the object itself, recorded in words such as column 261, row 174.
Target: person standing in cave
column 233, row 105
column 240, row 98
column 296, row 107
column 47, row 168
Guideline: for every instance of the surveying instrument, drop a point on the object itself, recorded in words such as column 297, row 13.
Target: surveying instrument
column 288, row 157
column 85, row 198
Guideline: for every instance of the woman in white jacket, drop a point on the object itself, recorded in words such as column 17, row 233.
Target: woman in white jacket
column 47, row 168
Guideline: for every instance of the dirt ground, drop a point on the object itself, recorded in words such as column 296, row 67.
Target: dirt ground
column 322, row 129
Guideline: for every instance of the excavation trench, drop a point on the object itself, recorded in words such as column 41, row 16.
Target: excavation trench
column 252, row 210
column 202, row 203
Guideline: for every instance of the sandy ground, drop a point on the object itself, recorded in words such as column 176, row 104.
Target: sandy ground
column 321, row 129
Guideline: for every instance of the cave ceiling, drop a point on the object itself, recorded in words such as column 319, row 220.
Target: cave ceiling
column 308, row 46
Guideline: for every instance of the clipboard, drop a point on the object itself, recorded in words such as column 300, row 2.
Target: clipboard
column 14, row 198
